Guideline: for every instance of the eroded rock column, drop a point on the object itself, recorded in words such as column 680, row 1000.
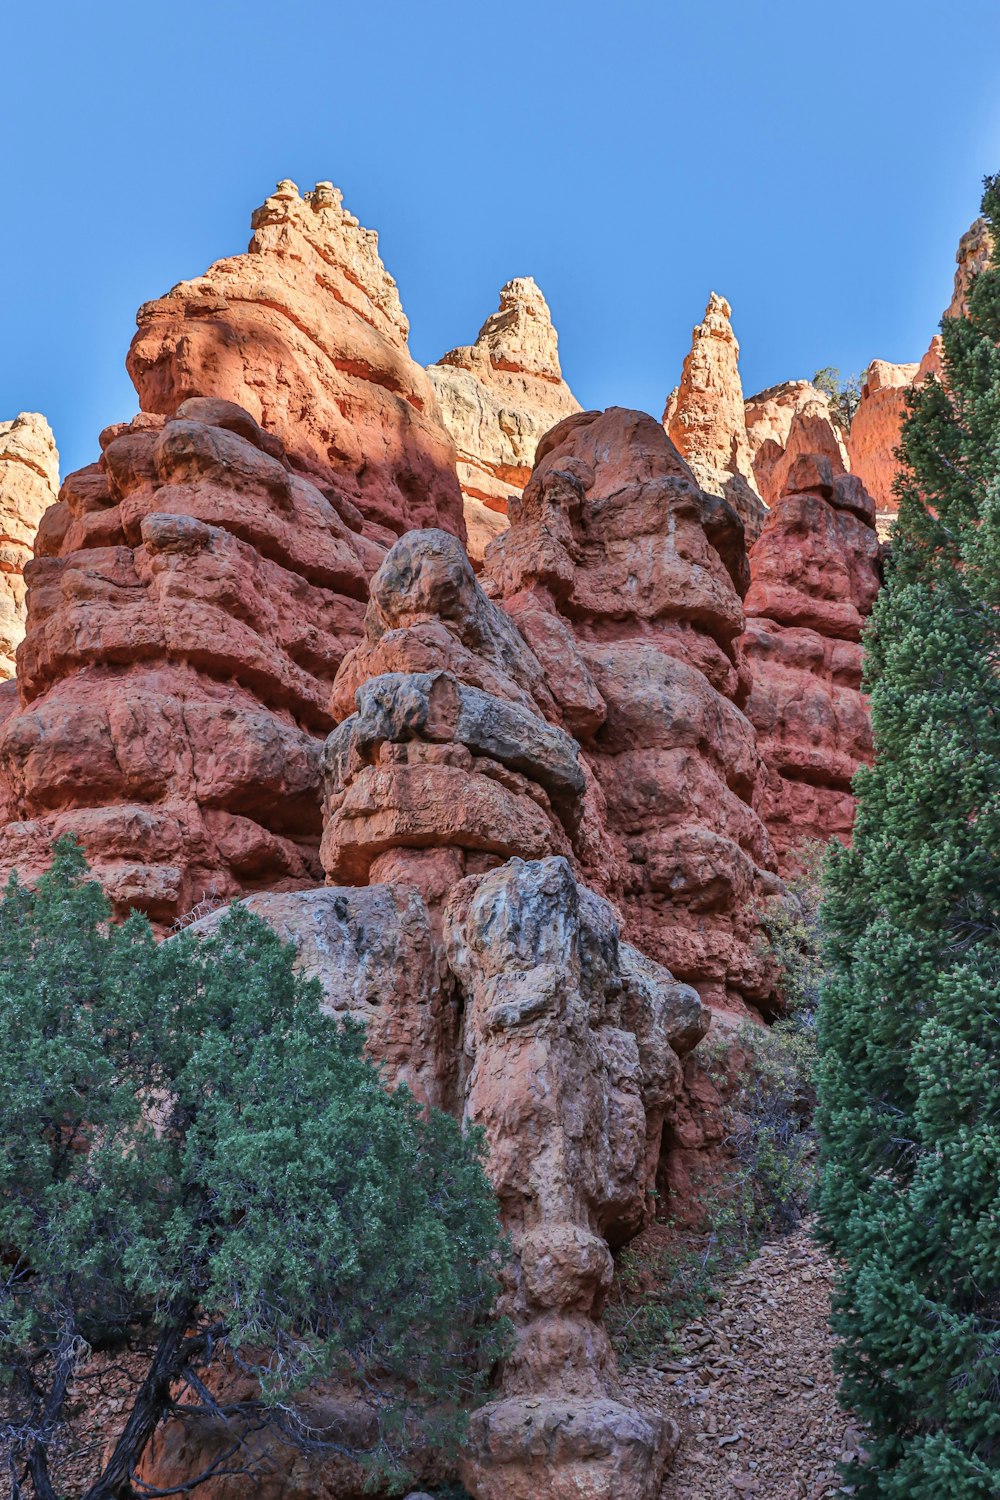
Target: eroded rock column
column 29, row 483
column 625, row 579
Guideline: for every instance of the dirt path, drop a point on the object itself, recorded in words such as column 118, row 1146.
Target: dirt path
column 753, row 1388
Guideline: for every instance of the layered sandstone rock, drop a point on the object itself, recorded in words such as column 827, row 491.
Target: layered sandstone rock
column 784, row 423
column 625, row 579
column 704, row 415
column 878, row 421
column 815, row 572
column 448, row 776
column 29, row 483
column 498, row 397
column 497, row 986
column 306, row 331
column 973, row 253
column 190, row 603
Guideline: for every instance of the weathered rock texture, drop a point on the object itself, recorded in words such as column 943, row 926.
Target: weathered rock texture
column 498, row 397
column 191, row 600
column 878, row 421
column 572, row 1041
column 306, row 331
column 625, row 579
column 704, row 415
column 815, row 571
column 29, row 483
column 448, row 775
column 783, row 423
column 499, row 987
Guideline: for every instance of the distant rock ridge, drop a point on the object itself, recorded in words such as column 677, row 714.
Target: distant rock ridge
column 878, row 421
column 29, row 484
column 498, row 397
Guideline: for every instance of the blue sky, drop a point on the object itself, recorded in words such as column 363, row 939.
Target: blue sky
column 814, row 163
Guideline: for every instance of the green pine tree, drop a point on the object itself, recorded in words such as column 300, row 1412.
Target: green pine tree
column 199, row 1164
column 910, row 1013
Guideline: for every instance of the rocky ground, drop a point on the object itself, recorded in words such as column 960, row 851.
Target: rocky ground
column 752, row 1386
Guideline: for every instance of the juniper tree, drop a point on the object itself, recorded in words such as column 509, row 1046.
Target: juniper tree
column 910, row 1012
column 200, row 1164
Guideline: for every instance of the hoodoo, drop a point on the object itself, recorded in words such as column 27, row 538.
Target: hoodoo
column 29, row 483
column 704, row 415
column 306, row 332
column 498, row 398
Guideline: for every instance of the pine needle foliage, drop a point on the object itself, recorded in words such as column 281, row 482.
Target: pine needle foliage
column 910, row 1011
column 197, row 1162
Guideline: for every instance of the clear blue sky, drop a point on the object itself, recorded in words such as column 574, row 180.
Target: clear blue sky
column 814, row 163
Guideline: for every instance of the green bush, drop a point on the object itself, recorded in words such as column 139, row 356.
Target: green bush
column 910, row 1014
column 198, row 1162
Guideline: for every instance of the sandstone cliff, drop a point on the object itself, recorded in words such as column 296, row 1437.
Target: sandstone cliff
column 625, row 578
column 29, row 482
column 815, row 572
column 878, row 421
column 307, row 333
column 704, row 415
column 190, row 602
column 498, row 397
column 783, row 423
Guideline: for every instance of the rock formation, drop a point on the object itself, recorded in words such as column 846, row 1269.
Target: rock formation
column 191, row 600
column 498, row 397
column 497, row 986
column 704, row 415
column 878, row 421
column 29, row 483
column 784, row 423
column 257, row 655
column 814, row 576
column 307, row 333
column 625, row 579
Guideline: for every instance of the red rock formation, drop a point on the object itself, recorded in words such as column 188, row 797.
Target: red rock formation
column 704, row 415
column 814, row 577
column 306, row 332
column 190, row 603
column 29, row 482
column 878, row 421
column 625, row 579
column 498, row 987
column 442, row 769
column 785, row 422
column 498, row 397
